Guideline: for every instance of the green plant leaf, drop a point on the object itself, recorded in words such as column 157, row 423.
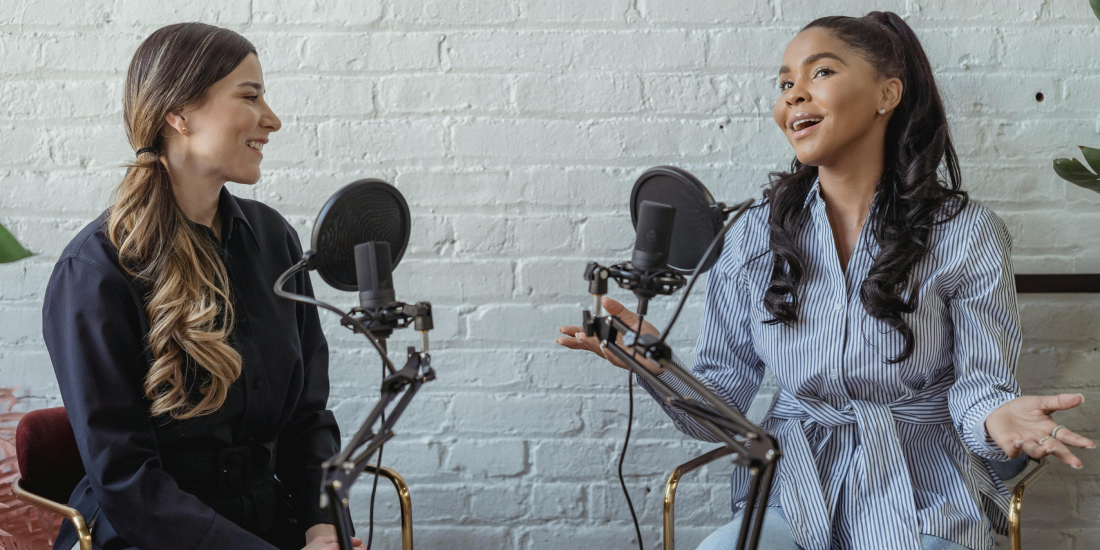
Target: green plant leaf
column 1095, row 4
column 1092, row 156
column 10, row 249
column 1074, row 172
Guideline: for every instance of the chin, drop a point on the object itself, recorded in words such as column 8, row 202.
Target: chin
column 246, row 180
column 808, row 158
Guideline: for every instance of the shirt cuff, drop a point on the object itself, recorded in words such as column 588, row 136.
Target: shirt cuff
column 986, row 447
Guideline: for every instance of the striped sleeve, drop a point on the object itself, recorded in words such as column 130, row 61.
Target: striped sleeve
column 725, row 359
column 987, row 334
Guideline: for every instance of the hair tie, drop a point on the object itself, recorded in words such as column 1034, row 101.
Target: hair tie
column 146, row 150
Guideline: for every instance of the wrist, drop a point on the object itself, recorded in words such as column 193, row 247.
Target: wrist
column 319, row 530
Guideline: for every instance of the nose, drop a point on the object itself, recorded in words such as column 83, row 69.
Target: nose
column 269, row 121
column 797, row 94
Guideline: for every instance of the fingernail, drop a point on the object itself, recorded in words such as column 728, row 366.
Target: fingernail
column 1082, row 397
column 1076, row 466
column 1018, row 443
column 1093, row 446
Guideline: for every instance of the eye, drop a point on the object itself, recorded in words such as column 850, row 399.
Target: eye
column 252, row 97
column 785, row 85
column 823, row 71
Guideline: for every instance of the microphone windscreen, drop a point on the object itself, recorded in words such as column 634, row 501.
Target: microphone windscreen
column 375, row 274
column 654, row 236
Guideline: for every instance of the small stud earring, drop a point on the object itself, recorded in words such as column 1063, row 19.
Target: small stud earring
column 882, row 111
column 184, row 131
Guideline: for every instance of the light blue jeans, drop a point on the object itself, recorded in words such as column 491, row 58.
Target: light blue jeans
column 776, row 535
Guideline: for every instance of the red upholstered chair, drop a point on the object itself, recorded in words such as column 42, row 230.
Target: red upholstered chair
column 49, row 466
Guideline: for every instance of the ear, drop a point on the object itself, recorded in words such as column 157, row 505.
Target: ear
column 892, row 89
column 175, row 120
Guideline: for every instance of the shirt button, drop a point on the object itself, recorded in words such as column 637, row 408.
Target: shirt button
column 257, row 384
column 833, row 374
column 838, row 306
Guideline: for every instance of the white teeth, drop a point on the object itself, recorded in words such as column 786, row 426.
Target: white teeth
column 255, row 145
column 804, row 122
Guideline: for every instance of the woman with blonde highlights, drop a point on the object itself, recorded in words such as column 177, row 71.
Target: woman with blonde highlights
column 197, row 397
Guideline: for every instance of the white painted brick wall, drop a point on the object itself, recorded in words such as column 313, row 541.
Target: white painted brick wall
column 515, row 128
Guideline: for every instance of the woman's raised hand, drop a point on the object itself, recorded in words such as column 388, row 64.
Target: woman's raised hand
column 575, row 338
column 1024, row 424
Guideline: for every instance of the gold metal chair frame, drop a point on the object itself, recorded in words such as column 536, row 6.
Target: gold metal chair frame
column 406, row 503
column 1015, row 503
column 84, row 535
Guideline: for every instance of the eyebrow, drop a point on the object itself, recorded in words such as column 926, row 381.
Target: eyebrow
column 812, row 58
column 258, row 87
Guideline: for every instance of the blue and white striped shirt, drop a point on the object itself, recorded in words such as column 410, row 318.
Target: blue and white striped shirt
column 875, row 454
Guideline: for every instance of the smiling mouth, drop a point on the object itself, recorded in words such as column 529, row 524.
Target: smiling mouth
column 805, row 123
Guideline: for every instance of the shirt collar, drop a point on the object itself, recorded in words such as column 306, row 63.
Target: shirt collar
column 814, row 192
column 231, row 214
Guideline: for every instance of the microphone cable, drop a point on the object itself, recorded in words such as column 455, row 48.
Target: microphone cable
column 626, row 441
column 377, row 470
column 740, row 210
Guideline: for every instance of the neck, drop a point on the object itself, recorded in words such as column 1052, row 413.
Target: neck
column 849, row 184
column 196, row 193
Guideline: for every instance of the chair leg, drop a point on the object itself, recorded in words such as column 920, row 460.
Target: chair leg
column 1018, row 500
column 83, row 534
column 670, row 490
column 406, row 503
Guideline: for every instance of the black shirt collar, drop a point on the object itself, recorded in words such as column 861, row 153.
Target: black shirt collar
column 231, row 214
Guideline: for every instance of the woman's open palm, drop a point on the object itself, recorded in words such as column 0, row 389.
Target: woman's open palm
column 1025, row 424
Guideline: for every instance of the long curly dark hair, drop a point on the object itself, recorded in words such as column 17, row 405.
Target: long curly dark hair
column 912, row 197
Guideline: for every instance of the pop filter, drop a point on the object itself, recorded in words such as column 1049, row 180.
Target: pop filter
column 364, row 211
column 698, row 216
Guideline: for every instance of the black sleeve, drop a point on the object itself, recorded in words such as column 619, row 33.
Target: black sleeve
column 92, row 327
column 311, row 436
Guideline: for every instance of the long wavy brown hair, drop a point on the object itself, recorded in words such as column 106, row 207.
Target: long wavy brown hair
column 186, row 286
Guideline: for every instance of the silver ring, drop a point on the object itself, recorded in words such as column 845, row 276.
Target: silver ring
column 1054, row 434
column 1046, row 437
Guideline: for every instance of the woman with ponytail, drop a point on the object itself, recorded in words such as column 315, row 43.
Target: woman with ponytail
column 197, row 397
column 883, row 300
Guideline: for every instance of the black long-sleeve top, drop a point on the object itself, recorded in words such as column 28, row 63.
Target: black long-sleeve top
column 95, row 328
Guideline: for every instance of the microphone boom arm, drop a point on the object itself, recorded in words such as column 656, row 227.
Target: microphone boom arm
column 752, row 447
column 342, row 470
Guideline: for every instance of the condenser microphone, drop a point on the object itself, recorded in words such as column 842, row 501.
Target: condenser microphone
column 374, row 272
column 654, row 236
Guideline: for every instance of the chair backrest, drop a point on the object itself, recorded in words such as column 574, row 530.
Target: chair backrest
column 49, row 461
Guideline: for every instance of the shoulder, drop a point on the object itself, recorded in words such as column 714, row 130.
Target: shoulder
column 974, row 224
column 88, row 272
column 91, row 251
